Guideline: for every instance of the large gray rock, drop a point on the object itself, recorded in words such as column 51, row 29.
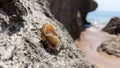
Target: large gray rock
column 20, row 38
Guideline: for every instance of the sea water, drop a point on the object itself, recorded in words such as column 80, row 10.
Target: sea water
column 101, row 18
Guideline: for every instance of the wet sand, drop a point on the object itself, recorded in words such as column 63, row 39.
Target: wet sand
column 89, row 42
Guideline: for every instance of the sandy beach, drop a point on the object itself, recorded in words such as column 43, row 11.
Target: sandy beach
column 90, row 40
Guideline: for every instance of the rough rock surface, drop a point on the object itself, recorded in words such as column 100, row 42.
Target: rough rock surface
column 72, row 13
column 113, row 27
column 20, row 38
column 111, row 46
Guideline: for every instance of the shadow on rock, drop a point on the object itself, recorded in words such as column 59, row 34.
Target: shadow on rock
column 11, row 16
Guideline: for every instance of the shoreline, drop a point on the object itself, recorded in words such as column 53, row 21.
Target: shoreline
column 90, row 40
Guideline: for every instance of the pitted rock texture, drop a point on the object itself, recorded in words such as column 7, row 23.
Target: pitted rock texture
column 13, row 7
column 20, row 40
column 113, row 27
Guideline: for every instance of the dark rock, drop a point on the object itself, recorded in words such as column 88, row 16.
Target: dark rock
column 4, row 2
column 113, row 27
column 75, row 17
column 13, row 12
column 14, row 7
column 111, row 46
